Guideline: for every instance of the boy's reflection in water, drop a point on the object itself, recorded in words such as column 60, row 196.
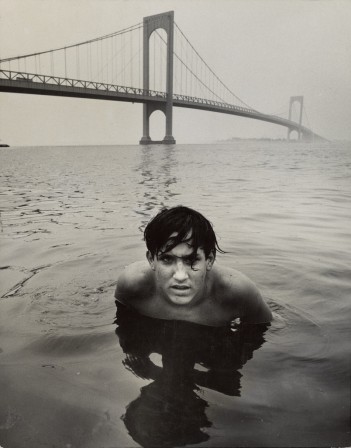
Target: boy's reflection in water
column 169, row 412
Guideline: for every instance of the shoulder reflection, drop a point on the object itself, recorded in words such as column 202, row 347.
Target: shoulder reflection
column 169, row 411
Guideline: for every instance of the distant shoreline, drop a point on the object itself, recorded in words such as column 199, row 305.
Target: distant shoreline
column 260, row 139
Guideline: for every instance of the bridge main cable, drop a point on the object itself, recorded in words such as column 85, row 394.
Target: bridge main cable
column 116, row 33
column 212, row 72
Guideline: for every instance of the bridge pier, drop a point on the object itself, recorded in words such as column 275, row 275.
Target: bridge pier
column 148, row 109
column 152, row 23
column 297, row 99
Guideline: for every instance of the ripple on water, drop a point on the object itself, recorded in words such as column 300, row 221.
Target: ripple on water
column 72, row 345
column 296, row 335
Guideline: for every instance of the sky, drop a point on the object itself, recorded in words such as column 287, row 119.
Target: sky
column 265, row 50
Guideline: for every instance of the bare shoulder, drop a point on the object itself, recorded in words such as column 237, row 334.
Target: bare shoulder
column 133, row 280
column 237, row 291
column 230, row 281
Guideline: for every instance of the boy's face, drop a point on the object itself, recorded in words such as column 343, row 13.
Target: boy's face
column 179, row 278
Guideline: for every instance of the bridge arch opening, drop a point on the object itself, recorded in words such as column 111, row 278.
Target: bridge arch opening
column 158, row 60
column 293, row 135
column 157, row 125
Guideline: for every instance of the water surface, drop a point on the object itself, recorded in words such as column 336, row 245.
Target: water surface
column 72, row 218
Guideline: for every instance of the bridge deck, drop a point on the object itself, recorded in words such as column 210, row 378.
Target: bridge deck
column 20, row 82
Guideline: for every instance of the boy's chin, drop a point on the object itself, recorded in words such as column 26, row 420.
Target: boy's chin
column 180, row 300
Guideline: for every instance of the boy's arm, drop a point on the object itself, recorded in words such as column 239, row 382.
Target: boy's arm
column 122, row 287
column 254, row 309
column 242, row 297
column 133, row 282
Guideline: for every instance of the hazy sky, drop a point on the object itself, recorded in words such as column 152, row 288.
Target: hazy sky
column 264, row 50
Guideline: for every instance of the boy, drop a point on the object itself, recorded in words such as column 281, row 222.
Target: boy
column 179, row 280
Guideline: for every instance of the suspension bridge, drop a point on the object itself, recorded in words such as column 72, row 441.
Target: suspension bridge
column 152, row 62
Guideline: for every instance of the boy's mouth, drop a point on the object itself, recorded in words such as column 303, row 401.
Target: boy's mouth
column 180, row 287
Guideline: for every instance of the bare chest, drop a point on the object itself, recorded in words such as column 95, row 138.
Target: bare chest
column 207, row 312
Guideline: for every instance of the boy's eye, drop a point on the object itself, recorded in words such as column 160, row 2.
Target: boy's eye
column 167, row 259
column 191, row 261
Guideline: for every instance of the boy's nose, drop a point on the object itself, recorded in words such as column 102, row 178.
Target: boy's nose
column 180, row 272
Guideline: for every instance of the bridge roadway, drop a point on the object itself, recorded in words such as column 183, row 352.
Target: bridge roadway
column 20, row 82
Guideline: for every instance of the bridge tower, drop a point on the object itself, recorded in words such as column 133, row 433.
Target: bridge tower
column 297, row 99
column 152, row 23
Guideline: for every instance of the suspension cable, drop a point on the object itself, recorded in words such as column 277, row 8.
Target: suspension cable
column 213, row 73
column 116, row 33
column 191, row 72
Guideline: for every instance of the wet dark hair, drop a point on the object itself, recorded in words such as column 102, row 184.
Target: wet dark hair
column 188, row 224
